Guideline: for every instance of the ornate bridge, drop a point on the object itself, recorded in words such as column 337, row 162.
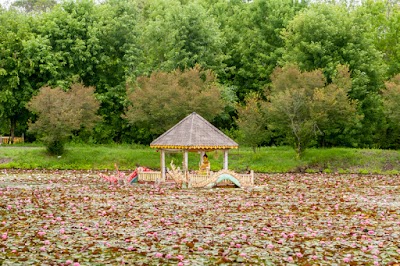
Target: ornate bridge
column 211, row 180
column 208, row 180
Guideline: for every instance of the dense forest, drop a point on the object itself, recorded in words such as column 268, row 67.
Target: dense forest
column 266, row 72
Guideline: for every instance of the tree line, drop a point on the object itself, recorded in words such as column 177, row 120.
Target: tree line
column 318, row 73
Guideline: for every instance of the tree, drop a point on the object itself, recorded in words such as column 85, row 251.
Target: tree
column 97, row 45
column 35, row 5
column 158, row 102
column 301, row 106
column 61, row 112
column 324, row 36
column 255, row 41
column 252, row 121
column 381, row 21
column 25, row 61
column 179, row 35
column 391, row 99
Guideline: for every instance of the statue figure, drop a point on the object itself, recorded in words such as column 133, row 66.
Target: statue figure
column 205, row 166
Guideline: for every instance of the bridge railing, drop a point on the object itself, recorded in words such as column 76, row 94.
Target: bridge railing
column 150, row 176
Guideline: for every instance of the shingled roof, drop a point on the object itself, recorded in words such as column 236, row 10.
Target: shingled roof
column 194, row 133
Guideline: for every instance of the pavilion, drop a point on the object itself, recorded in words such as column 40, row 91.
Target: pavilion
column 195, row 134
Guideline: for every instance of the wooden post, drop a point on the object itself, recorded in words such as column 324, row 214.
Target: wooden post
column 162, row 165
column 225, row 159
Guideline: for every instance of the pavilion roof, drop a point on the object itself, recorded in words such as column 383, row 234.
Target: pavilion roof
column 194, row 133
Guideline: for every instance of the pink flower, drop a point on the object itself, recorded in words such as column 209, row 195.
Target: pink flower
column 180, row 263
column 76, row 264
column 180, row 257
column 62, row 231
column 200, row 249
column 347, row 260
column 168, row 256
column 298, row 254
column 371, row 232
column 43, row 249
column 243, row 254
column 159, row 255
column 314, row 257
column 238, row 245
column 9, row 207
column 47, row 242
column 289, row 259
column 41, row 233
column 270, row 246
column 68, row 262
column 4, row 236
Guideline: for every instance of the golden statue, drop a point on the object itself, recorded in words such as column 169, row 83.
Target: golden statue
column 205, row 166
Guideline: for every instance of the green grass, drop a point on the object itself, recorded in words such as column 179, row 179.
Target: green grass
column 266, row 159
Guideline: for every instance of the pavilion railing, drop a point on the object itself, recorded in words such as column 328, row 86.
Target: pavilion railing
column 197, row 180
column 152, row 176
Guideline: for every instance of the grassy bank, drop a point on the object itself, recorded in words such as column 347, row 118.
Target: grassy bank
column 267, row 159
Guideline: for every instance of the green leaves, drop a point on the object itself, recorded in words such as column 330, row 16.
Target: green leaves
column 180, row 36
column 301, row 106
column 158, row 102
column 60, row 113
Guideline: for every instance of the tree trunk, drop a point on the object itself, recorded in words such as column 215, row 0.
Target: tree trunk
column 13, row 121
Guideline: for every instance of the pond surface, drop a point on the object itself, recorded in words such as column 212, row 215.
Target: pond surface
column 72, row 217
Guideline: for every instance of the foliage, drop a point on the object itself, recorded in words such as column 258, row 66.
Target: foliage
column 301, row 106
column 24, row 59
column 35, row 5
column 75, row 219
column 252, row 122
column 381, row 20
column 324, row 36
column 179, row 35
column 160, row 101
column 60, row 113
column 109, row 44
column 96, row 45
column 256, row 45
column 391, row 98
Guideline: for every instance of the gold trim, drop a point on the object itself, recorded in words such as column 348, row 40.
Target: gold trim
column 178, row 147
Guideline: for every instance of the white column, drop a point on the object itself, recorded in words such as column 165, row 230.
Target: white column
column 162, row 165
column 201, row 157
column 225, row 159
column 185, row 161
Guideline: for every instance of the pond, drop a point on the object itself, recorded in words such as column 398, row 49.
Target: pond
column 75, row 218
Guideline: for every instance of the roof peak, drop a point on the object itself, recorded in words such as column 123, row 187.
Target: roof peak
column 194, row 133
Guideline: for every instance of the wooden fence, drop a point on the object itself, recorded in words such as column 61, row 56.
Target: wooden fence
column 7, row 140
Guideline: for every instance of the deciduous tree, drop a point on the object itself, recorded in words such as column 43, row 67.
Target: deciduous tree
column 158, row 102
column 301, row 106
column 61, row 112
column 25, row 61
column 252, row 121
column 326, row 35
